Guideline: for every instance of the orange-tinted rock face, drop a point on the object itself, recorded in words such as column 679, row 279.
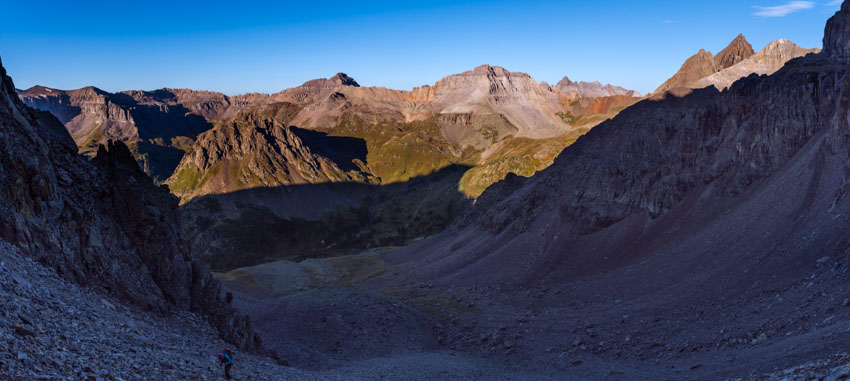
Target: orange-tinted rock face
column 737, row 51
column 767, row 61
column 734, row 62
column 696, row 67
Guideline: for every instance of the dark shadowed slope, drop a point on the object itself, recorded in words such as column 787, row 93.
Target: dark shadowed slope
column 724, row 213
column 101, row 223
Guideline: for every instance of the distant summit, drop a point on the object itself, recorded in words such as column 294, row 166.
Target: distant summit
column 738, row 50
column 734, row 62
column 344, row 80
column 593, row 89
column 770, row 59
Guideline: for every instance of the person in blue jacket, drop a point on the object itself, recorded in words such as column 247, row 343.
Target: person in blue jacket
column 225, row 359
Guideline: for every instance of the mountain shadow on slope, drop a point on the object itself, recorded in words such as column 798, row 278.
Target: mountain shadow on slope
column 297, row 222
column 344, row 151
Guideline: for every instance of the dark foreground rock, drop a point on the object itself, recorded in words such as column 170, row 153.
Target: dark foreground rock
column 52, row 329
column 101, row 223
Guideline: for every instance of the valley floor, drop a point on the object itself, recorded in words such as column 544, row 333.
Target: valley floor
column 324, row 318
column 56, row 330
column 331, row 315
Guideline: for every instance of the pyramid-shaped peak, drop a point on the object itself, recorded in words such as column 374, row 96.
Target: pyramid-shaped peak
column 565, row 82
column 737, row 50
column 345, row 80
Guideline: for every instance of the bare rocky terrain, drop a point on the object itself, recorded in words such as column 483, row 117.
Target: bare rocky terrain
column 695, row 235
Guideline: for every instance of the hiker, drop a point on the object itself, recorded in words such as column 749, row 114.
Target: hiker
column 225, row 359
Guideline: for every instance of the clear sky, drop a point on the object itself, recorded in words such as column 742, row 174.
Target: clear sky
column 250, row 46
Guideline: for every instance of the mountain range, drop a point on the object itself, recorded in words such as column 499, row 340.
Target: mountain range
column 294, row 156
column 700, row 232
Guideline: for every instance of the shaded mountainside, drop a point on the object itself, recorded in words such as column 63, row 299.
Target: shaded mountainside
column 100, row 223
column 296, row 222
column 734, row 62
column 708, row 228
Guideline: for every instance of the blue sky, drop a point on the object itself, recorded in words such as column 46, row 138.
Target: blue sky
column 250, row 46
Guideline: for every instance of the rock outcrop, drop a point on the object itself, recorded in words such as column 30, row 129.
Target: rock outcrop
column 836, row 39
column 101, row 223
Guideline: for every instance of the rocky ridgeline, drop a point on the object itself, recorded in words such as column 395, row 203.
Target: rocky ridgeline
column 582, row 89
column 101, row 223
column 703, row 64
column 736, row 61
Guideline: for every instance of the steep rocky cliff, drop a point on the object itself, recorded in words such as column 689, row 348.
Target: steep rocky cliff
column 101, row 223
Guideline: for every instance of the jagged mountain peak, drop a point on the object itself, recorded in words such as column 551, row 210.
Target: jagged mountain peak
column 345, row 80
column 737, row 50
